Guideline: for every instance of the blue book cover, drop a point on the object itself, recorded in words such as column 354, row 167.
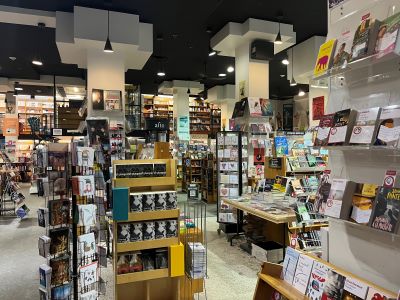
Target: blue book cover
column 281, row 146
column 120, row 204
column 289, row 265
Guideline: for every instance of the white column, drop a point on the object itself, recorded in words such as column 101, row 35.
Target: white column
column 181, row 102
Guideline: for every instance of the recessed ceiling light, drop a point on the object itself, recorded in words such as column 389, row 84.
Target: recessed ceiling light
column 282, row 75
column 161, row 74
column 221, row 74
column 285, row 61
column 301, row 93
column 37, row 62
column 230, row 69
column 211, row 52
column 12, row 58
column 18, row 88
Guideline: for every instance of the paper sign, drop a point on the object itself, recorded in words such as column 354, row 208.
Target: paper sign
column 387, row 134
column 390, row 178
column 323, row 133
column 184, row 128
column 362, row 134
column 338, row 134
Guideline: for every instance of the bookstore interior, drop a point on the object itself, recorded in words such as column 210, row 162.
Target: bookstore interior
column 237, row 154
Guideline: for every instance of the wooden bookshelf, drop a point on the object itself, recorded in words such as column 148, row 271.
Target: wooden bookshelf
column 153, row 215
column 209, row 179
column 143, row 245
column 192, row 172
column 142, row 276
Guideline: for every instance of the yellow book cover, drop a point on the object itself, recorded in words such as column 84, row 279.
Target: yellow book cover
column 369, row 190
column 324, row 58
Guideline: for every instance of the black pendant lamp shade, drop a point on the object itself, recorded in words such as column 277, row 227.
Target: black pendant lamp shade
column 107, row 47
column 292, row 81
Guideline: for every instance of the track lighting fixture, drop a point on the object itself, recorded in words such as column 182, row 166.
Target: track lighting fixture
column 278, row 39
column 36, row 60
column 107, row 47
column 211, row 52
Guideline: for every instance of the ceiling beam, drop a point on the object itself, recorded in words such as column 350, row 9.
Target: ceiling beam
column 25, row 16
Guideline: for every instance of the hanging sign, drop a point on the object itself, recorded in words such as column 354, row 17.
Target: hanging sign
column 10, row 127
column 184, row 128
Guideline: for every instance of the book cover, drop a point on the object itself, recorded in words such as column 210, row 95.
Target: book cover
column 363, row 199
column 254, row 106
column 254, row 128
column 343, row 49
column 339, row 131
column 59, row 212
column 112, row 100
column 374, row 294
column 354, row 289
column 303, row 162
column 289, row 265
column 324, row 58
column 59, row 240
column 83, row 185
column 44, row 245
column 365, row 126
column 267, row 109
column 294, row 163
column 388, row 35
column 334, row 203
column 333, row 289
column 87, row 214
column 43, row 295
column 259, row 155
column 43, row 216
column 312, row 161
column 45, row 277
column 62, row 292
column 318, row 278
column 365, row 37
column 281, row 146
column 386, row 211
column 323, row 191
column 318, row 107
column 87, row 245
column 85, row 156
column 60, row 270
column 88, row 274
column 325, row 124
column 320, row 162
column 389, row 126
column 303, row 272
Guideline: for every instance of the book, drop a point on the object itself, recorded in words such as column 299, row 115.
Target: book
column 60, row 270
column 259, row 155
column 323, row 190
column 386, row 211
column 281, row 146
column 388, row 36
column 339, row 132
column 343, row 48
column 365, row 127
column 354, row 289
column 365, row 38
column 59, row 240
column 374, row 294
column 303, row 272
column 85, row 156
column 62, row 292
column 324, row 128
column 297, row 187
column 45, row 277
column 312, row 161
column 289, row 265
column 319, row 274
column 88, row 274
column 363, row 199
column 87, row 214
column 44, row 245
column 59, row 212
column 339, row 202
column 324, row 58
column 294, row 163
column 389, row 126
column 43, row 216
column 303, row 162
column 254, row 106
column 87, row 245
column 83, row 185
column 334, row 285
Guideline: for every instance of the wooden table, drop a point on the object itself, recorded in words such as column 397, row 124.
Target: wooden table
column 281, row 220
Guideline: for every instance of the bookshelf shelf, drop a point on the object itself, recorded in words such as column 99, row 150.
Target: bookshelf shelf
column 153, row 215
column 142, row 245
column 142, row 276
column 282, row 287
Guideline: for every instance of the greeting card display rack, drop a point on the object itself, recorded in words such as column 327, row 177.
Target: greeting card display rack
column 232, row 163
column 153, row 284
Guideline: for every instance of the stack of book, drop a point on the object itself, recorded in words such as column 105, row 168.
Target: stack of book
column 196, row 265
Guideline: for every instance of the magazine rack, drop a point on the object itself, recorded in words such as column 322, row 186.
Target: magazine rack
column 154, row 284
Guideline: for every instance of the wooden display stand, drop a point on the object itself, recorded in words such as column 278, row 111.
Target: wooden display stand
column 269, row 280
column 209, row 179
column 158, row 284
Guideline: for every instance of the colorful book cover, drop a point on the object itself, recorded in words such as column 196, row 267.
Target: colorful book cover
column 343, row 48
column 386, row 212
column 289, row 265
column 325, row 124
column 312, row 161
column 364, row 40
column 324, row 58
column 267, row 109
column 59, row 240
column 59, row 212
column 303, row 272
column 62, row 292
column 335, row 198
column 363, row 199
column 338, row 132
column 333, row 288
column 319, row 275
column 259, row 155
column 374, row 294
column 387, row 36
column 45, row 277
column 254, row 106
column 60, row 270
column 389, row 126
column 281, row 146
column 318, row 107
column 354, row 289
column 87, row 245
column 323, row 191
column 364, row 129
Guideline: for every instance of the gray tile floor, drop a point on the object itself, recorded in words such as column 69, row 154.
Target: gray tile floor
column 232, row 273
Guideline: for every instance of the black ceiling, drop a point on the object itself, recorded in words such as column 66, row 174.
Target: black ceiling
column 183, row 26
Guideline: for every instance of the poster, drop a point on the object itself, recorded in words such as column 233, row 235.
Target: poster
column 318, row 107
column 254, row 107
column 10, row 125
column 97, row 99
column 98, row 131
column 288, row 117
column 266, row 107
column 112, row 100
column 184, row 128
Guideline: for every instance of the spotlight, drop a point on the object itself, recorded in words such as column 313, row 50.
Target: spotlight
column 37, row 62
column 278, row 39
column 222, row 75
column 230, row 69
column 211, row 52
column 161, row 73
column 301, row 93
column 108, row 48
column 293, row 82
column 285, row 61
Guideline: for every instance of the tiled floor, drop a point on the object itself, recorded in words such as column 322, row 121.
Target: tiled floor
column 231, row 272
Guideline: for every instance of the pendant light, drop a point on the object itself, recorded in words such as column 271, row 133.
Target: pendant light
column 278, row 39
column 188, row 91
column 108, row 48
column 36, row 59
column 292, row 81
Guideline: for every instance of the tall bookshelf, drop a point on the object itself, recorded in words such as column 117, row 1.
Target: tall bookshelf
column 156, row 284
column 192, row 171
column 200, row 116
column 159, row 108
column 209, row 182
